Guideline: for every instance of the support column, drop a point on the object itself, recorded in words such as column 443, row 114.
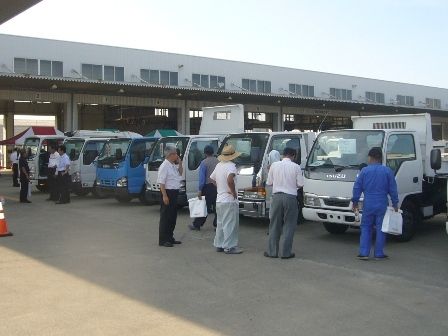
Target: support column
column 9, row 119
column 71, row 116
column 183, row 119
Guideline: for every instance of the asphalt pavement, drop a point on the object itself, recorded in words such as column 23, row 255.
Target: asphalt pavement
column 94, row 267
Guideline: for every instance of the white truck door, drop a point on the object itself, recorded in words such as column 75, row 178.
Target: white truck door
column 194, row 156
column 403, row 156
column 89, row 153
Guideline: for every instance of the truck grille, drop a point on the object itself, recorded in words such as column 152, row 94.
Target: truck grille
column 336, row 202
column 107, row 183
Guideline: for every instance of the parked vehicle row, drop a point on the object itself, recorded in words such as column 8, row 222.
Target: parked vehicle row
column 126, row 166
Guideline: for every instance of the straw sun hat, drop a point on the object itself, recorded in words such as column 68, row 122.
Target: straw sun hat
column 228, row 154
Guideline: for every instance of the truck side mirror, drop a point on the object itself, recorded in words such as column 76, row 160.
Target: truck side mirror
column 436, row 159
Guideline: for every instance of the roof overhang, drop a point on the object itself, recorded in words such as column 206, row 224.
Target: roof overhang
column 12, row 81
column 9, row 9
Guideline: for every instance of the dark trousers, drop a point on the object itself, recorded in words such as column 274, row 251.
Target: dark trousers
column 209, row 191
column 15, row 174
column 168, row 217
column 64, row 187
column 24, row 184
column 52, row 184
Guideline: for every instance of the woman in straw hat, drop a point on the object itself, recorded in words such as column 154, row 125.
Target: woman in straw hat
column 227, row 210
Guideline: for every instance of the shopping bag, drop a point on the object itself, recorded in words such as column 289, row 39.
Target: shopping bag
column 198, row 207
column 29, row 189
column 392, row 222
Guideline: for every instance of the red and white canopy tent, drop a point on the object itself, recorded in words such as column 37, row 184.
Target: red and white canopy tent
column 19, row 139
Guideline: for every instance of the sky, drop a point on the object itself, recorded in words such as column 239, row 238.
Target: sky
column 397, row 40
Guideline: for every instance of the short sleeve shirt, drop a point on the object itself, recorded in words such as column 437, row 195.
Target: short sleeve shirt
column 220, row 174
column 63, row 162
column 169, row 175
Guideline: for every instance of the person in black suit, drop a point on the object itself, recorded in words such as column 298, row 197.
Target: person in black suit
column 24, row 170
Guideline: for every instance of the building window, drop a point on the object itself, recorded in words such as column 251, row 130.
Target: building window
column 51, row 68
column 288, row 117
column 256, row 116
column 256, row 85
column 195, row 114
column 301, row 90
column 433, row 103
column 161, row 112
column 112, row 73
column 342, row 94
column 405, row 100
column 209, row 81
column 92, row 71
column 159, row 77
column 26, row 66
column 375, row 97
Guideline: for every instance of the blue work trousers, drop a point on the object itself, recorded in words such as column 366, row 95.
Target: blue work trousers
column 368, row 222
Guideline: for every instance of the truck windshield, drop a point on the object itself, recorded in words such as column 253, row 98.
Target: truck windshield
column 114, row 150
column 31, row 146
column 251, row 146
column 73, row 147
column 343, row 149
column 179, row 142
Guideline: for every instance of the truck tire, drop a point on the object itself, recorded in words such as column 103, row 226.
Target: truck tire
column 123, row 199
column 82, row 192
column 335, row 228
column 410, row 222
column 144, row 200
column 97, row 193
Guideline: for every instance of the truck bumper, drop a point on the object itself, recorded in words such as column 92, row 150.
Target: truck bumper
column 330, row 216
column 155, row 196
column 253, row 209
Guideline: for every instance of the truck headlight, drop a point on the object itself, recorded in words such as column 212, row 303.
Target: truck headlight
column 122, row 182
column 311, row 200
column 76, row 177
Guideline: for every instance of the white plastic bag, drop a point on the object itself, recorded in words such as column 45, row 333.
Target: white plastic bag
column 392, row 222
column 198, row 207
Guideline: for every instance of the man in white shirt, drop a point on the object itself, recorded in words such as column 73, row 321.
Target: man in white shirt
column 63, row 176
column 227, row 210
column 285, row 177
column 169, row 177
column 52, row 165
column 14, row 158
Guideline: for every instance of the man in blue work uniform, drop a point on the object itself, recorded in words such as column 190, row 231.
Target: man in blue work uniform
column 206, row 187
column 376, row 182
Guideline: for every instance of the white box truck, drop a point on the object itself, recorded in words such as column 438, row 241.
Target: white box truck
column 217, row 121
column 252, row 166
column 337, row 157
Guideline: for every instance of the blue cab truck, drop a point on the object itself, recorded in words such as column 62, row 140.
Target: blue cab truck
column 121, row 168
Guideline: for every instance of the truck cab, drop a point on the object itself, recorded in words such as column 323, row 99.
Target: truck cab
column 120, row 167
column 191, row 152
column 252, row 165
column 37, row 148
column 338, row 156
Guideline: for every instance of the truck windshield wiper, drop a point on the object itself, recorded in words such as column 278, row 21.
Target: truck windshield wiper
column 358, row 166
column 325, row 165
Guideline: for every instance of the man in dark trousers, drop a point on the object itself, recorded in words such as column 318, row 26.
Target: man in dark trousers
column 63, row 176
column 14, row 157
column 376, row 182
column 169, row 177
column 52, row 176
column 24, row 176
column 206, row 187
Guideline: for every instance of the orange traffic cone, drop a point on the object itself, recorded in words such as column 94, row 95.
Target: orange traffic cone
column 3, row 226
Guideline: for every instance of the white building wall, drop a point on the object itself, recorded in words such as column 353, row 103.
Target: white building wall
column 73, row 54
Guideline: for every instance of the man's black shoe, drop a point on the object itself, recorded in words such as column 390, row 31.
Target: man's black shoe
column 176, row 242
column 25, row 201
column 361, row 257
column 166, row 244
column 292, row 255
column 59, row 202
column 383, row 257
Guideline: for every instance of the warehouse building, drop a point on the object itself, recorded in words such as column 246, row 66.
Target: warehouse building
column 87, row 86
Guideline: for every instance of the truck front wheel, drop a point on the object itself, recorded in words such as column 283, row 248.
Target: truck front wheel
column 335, row 228
column 410, row 222
column 123, row 199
